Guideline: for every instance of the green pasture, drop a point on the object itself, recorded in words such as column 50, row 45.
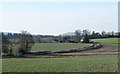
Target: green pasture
column 70, row 64
column 108, row 41
column 56, row 46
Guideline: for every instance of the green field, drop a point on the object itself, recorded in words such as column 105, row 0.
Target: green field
column 67, row 46
column 70, row 64
column 63, row 64
column 56, row 46
column 108, row 41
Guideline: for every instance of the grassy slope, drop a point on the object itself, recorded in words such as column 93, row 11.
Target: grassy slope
column 56, row 46
column 78, row 64
column 108, row 41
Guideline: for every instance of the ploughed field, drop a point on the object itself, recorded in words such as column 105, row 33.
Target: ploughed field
column 68, row 64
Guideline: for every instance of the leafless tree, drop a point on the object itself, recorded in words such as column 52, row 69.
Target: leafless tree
column 26, row 42
column 77, row 37
column 86, row 34
column 112, row 33
column 103, row 33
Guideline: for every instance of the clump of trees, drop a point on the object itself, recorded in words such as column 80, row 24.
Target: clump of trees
column 85, row 39
column 82, row 36
column 5, row 44
column 25, row 42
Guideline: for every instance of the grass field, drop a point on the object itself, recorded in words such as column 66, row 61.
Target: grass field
column 108, row 41
column 67, row 46
column 63, row 64
column 54, row 46
column 57, row 46
column 76, row 64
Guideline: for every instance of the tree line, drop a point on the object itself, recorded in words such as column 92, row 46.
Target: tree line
column 24, row 43
column 68, row 39
column 25, row 40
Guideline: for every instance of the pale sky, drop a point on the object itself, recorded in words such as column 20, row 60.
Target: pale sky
column 60, row 0
column 54, row 18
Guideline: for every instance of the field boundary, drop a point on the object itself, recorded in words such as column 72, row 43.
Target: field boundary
column 93, row 47
column 55, row 54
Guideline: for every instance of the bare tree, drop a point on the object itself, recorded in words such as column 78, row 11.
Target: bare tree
column 26, row 42
column 78, row 36
column 103, row 33
column 86, row 37
column 112, row 33
column 93, row 33
column 86, row 32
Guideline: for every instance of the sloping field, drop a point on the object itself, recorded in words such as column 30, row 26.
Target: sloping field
column 110, row 48
column 57, row 46
column 108, row 41
column 69, row 64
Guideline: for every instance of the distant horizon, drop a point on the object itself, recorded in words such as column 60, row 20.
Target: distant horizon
column 53, row 34
column 55, row 18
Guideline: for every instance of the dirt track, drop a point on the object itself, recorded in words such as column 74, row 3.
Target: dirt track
column 106, row 50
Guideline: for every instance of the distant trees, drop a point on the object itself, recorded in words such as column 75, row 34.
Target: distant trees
column 13, row 37
column 119, row 34
column 26, row 42
column 46, row 40
column 109, row 34
column 60, row 39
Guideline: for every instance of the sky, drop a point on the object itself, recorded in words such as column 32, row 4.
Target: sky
column 54, row 18
column 60, row 0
